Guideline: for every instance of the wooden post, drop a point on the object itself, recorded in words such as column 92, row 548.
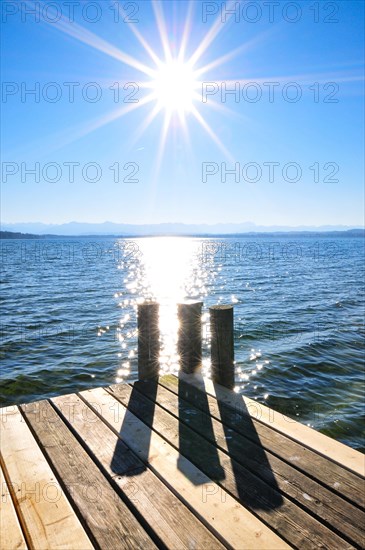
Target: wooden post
column 148, row 341
column 190, row 336
column 222, row 350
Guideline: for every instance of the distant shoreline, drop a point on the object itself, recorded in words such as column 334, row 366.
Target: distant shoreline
column 7, row 235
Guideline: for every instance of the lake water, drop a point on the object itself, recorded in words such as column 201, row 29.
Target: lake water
column 69, row 317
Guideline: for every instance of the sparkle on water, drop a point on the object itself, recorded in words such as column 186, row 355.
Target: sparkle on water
column 295, row 349
column 170, row 274
column 169, row 270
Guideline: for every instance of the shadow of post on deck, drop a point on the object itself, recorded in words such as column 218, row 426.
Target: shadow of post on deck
column 250, row 478
column 148, row 370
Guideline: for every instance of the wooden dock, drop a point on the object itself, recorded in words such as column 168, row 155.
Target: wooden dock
column 181, row 463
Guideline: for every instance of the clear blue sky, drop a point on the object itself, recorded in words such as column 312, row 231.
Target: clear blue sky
column 318, row 46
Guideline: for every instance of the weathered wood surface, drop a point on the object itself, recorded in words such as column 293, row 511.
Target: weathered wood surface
column 164, row 464
column 46, row 515
column 311, row 495
column 141, row 487
column 107, row 518
column 209, row 502
column 237, row 416
column 289, row 520
column 12, row 535
column 322, row 444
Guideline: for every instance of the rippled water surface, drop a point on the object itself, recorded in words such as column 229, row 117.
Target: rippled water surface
column 69, row 317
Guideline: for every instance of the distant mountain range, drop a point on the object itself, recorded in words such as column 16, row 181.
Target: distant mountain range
column 120, row 229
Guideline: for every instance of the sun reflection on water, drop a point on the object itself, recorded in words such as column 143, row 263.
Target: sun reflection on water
column 170, row 273
column 168, row 270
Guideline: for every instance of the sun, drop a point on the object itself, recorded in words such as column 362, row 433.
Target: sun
column 172, row 77
column 174, row 86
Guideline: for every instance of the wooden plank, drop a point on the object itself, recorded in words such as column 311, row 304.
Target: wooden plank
column 328, row 447
column 150, row 496
column 338, row 479
column 105, row 515
column 336, row 512
column 46, row 515
column 208, row 501
column 11, row 535
column 285, row 517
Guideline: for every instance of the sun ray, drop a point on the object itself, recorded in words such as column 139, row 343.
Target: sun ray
column 211, row 35
column 173, row 81
column 217, row 106
column 161, row 148
column 72, row 134
column 118, row 113
column 160, row 20
column 144, row 125
column 87, row 37
column 184, row 127
column 186, row 135
column 186, row 31
column 296, row 79
column 212, row 135
column 139, row 36
column 219, row 61
column 314, row 77
column 230, row 55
